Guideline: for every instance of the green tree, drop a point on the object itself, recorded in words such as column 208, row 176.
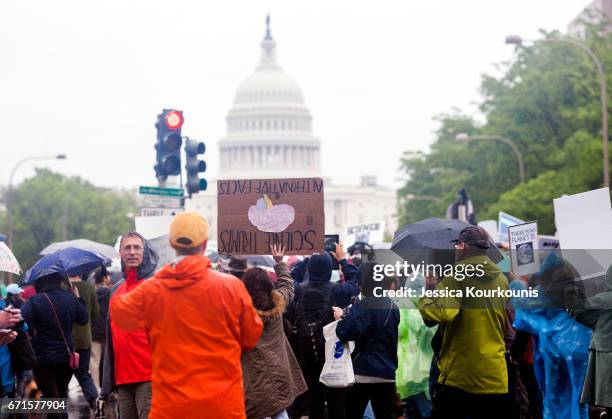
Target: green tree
column 438, row 174
column 50, row 207
column 548, row 103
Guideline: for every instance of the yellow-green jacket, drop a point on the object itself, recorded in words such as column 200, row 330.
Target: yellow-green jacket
column 472, row 353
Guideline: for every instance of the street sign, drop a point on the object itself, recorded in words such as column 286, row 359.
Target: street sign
column 156, row 191
column 158, row 212
column 159, row 201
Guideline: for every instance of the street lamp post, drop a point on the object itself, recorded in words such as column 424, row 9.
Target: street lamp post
column 517, row 40
column 9, row 215
column 465, row 137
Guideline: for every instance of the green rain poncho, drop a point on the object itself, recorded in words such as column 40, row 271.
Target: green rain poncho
column 414, row 352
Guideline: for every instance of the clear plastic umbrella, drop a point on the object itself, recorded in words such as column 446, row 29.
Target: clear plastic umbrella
column 8, row 261
column 83, row 244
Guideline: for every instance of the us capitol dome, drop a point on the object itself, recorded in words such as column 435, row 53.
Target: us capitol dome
column 269, row 127
column 269, row 135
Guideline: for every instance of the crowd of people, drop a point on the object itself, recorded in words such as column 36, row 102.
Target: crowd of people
column 192, row 341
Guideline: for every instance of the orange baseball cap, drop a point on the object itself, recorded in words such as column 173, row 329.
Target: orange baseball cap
column 188, row 230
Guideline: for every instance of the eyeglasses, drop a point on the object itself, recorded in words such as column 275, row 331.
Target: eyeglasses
column 129, row 248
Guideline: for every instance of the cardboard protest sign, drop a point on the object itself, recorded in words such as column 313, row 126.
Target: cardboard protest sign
column 523, row 239
column 366, row 233
column 255, row 213
column 505, row 221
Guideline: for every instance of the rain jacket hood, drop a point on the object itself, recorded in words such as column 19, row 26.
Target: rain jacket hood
column 276, row 311
column 183, row 272
column 320, row 267
column 149, row 260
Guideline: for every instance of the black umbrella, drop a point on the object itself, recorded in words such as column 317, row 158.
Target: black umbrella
column 429, row 241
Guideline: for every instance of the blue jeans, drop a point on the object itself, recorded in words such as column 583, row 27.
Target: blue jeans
column 417, row 406
column 84, row 378
column 369, row 412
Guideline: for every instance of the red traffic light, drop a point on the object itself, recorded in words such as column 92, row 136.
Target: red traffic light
column 174, row 119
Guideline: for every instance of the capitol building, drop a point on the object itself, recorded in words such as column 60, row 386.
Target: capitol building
column 269, row 135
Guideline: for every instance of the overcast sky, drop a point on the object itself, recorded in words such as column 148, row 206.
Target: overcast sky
column 87, row 78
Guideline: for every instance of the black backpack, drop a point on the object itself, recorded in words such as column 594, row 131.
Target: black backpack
column 313, row 311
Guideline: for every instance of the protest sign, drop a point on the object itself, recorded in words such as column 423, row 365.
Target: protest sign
column 505, row 221
column 547, row 242
column 584, row 220
column 523, row 240
column 255, row 213
column 584, row 227
column 367, row 233
column 491, row 227
column 153, row 227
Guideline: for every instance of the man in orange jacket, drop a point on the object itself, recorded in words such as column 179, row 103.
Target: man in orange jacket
column 198, row 322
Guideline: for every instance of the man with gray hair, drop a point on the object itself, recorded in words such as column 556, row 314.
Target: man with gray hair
column 127, row 357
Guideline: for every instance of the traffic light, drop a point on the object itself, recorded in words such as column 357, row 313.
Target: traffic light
column 194, row 166
column 169, row 142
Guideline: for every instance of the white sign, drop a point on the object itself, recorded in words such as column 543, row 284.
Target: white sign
column 160, row 201
column 505, row 221
column 547, row 242
column 523, row 239
column 153, row 227
column 157, row 212
column 367, row 233
column 491, row 227
column 584, row 220
column 584, row 225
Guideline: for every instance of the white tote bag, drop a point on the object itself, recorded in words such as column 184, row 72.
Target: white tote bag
column 338, row 369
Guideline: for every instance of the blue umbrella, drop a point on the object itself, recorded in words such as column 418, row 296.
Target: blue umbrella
column 67, row 262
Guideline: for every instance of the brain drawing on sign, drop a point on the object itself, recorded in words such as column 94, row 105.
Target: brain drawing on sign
column 271, row 218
